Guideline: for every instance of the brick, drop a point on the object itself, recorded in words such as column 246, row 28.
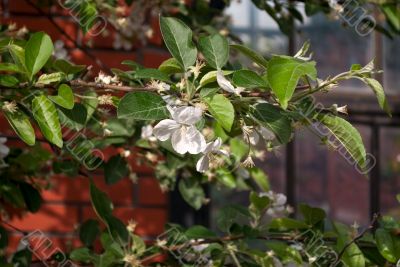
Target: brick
column 50, row 217
column 157, row 37
column 22, row 7
column 150, row 221
column 43, row 24
column 67, row 189
column 110, row 58
column 152, row 58
column 150, row 192
column 103, row 38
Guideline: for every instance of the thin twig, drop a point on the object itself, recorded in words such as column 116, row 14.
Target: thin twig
column 359, row 236
column 14, row 228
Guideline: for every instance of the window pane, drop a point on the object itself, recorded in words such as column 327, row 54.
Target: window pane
column 335, row 47
column 326, row 179
column 390, row 168
column 392, row 64
column 239, row 11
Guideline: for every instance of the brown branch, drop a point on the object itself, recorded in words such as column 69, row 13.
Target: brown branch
column 80, row 83
column 63, row 32
column 76, row 84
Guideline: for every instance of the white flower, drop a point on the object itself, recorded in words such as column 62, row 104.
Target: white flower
column 278, row 202
column 196, row 70
column 227, row 85
column 160, row 86
column 22, row 32
column 211, row 148
column 4, row 150
column 105, row 99
column 59, row 50
column 171, row 100
column 102, row 78
column 10, row 106
column 199, row 247
column 182, row 130
column 248, row 162
column 252, row 135
column 147, row 133
column 121, row 42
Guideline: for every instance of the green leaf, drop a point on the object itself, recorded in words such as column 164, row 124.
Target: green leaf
column 284, row 74
column 90, row 102
column 115, row 169
column 352, row 256
column 211, row 77
column 8, row 81
column 46, row 116
column 89, row 231
column 22, row 126
column 274, row 119
column 222, row 110
column 117, row 230
column 82, row 255
column 64, row 98
column 18, row 55
column 32, row 197
column 215, row 49
column 171, row 66
column 151, row 74
column 392, row 13
column 284, row 224
column 347, row 135
column 178, row 39
column 199, row 231
column 50, row 78
column 231, row 214
column 257, row 58
column 312, row 215
column 248, row 79
column 37, row 51
column 3, row 238
column 74, row 118
column 261, row 178
column 142, row 106
column 380, row 94
column 385, row 244
column 100, row 202
column 22, row 258
column 192, row 193
column 9, row 67
column 67, row 67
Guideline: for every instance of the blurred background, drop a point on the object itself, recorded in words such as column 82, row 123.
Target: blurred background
column 304, row 170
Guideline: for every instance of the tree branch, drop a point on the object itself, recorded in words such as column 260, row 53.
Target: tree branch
column 356, row 238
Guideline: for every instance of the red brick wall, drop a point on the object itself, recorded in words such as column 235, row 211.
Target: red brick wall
column 67, row 204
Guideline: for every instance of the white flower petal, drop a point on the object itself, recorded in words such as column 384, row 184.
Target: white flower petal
column 180, row 140
column 147, row 132
column 253, row 138
column 267, row 134
column 164, row 129
column 222, row 152
column 187, row 115
column 209, row 148
column 196, row 141
column 4, row 150
column 280, row 199
column 3, row 140
column 216, row 144
column 224, row 83
column 203, row 164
